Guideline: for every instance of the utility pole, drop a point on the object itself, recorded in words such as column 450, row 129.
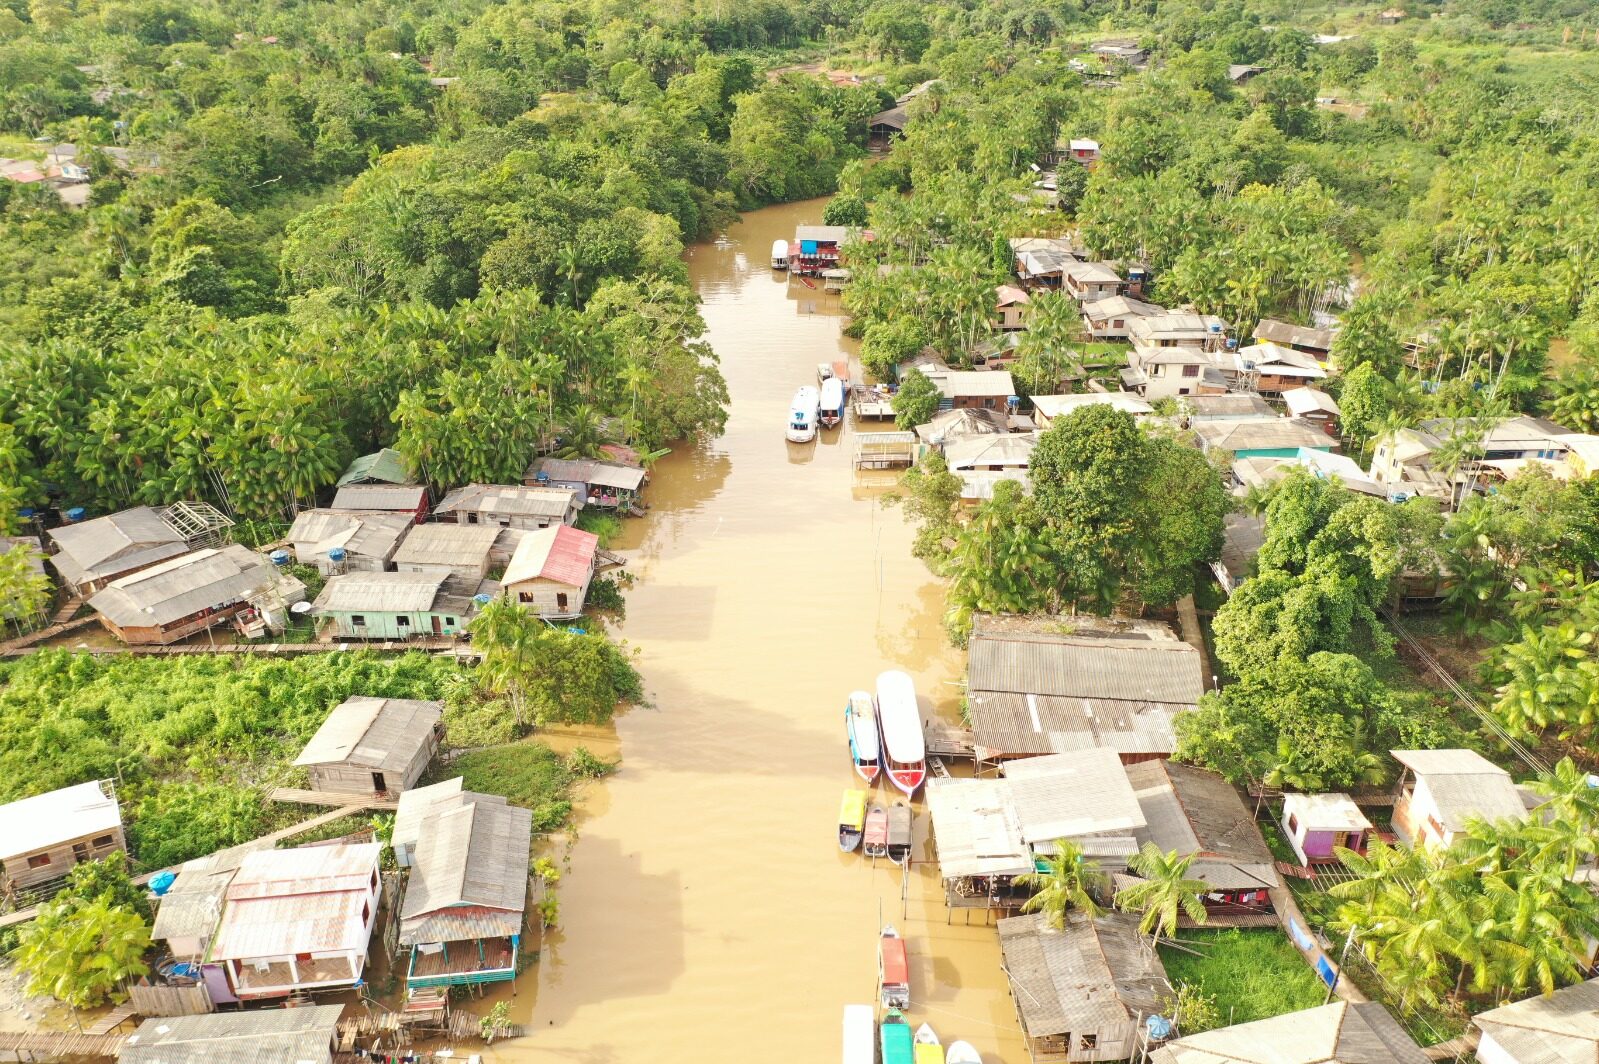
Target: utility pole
column 1339, row 974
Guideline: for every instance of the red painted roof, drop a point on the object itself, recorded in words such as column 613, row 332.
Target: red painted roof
column 560, row 553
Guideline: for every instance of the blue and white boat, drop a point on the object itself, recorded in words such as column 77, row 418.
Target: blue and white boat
column 860, row 721
column 832, row 402
column 803, row 413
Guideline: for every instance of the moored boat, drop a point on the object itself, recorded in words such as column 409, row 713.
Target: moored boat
column 899, row 723
column 841, row 371
column 928, row 1049
column 824, row 370
column 832, row 402
column 962, row 1053
column 851, row 820
column 802, row 415
column 860, row 721
column 896, row 1038
column 860, row 1035
column 899, row 833
column 875, row 836
column 893, row 971
column 780, row 254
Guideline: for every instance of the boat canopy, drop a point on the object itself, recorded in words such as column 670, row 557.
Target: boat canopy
column 779, row 249
column 832, row 394
column 897, row 1043
column 852, row 813
column 899, row 825
column 929, row 1054
column 860, row 1027
column 902, row 723
column 806, row 404
column 896, row 965
column 863, row 725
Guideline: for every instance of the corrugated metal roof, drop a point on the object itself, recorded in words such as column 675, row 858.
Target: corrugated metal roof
column 1560, row 1028
column 1340, row 1033
column 417, row 803
column 1255, row 434
column 1132, row 668
column 1092, row 977
column 1212, row 406
column 975, row 829
column 443, row 544
column 1054, row 406
column 1197, row 812
column 822, row 233
column 306, row 900
column 55, row 817
column 588, row 471
column 1019, row 725
column 1281, row 332
column 384, row 734
column 192, row 907
column 407, row 497
column 116, row 543
column 301, row 1035
column 1014, row 451
column 380, row 593
column 1326, row 812
column 368, row 533
column 976, row 384
column 30, row 545
column 386, row 467
column 509, row 500
column 1092, row 272
column 473, row 855
column 186, row 585
column 1063, row 796
column 560, row 553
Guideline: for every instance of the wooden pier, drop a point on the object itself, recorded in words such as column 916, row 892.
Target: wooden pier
column 944, row 740
column 872, row 406
column 349, row 803
column 885, row 450
column 397, row 646
column 41, row 1046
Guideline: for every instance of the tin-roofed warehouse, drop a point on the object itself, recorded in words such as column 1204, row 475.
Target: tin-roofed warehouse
column 373, row 745
column 1035, row 691
column 303, row 1035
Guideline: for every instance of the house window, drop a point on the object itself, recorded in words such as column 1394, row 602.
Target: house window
column 402, row 622
column 1088, row 1041
column 1182, row 391
column 471, row 519
column 366, row 911
column 524, row 596
column 505, row 522
column 105, row 840
column 1190, row 371
column 358, row 620
column 39, row 860
column 450, row 621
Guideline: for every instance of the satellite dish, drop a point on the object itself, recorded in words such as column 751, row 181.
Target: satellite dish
column 300, row 607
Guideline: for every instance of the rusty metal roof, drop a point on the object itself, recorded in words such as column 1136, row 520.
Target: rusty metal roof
column 471, row 865
column 1092, row 977
column 1197, row 812
column 1343, row 1032
column 383, row 734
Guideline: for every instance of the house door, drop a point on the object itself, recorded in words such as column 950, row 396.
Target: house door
column 438, row 629
column 560, row 601
column 379, row 784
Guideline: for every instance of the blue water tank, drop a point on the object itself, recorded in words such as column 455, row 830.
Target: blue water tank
column 1159, row 1027
column 279, row 557
column 542, row 477
column 26, row 512
column 483, row 598
column 76, row 514
column 162, row 882
column 336, row 554
column 1232, row 343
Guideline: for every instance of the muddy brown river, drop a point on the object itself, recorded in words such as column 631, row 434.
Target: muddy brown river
column 706, row 913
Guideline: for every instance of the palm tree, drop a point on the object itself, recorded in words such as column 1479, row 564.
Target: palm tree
column 1166, row 892
column 1068, row 882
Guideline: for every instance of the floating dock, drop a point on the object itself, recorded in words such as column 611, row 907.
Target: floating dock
column 885, row 450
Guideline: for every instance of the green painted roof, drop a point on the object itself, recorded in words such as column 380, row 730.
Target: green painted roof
column 386, row 466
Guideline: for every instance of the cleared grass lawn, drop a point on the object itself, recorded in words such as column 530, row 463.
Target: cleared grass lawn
column 1252, row 974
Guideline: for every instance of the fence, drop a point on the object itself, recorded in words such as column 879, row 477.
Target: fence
column 148, row 1000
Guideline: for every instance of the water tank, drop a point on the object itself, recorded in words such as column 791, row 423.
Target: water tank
column 337, row 554
column 1215, row 326
column 1232, row 343
column 162, row 882
column 1159, row 1027
column 76, row 514
column 26, row 513
column 482, row 598
column 279, row 557
column 542, row 477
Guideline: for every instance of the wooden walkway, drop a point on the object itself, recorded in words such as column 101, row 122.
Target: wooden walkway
column 113, row 1019
column 943, row 740
column 52, row 1045
column 348, row 803
column 24, row 644
column 268, row 649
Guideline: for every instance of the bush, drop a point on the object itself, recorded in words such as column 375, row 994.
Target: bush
column 606, row 526
column 585, row 765
column 605, row 593
column 528, row 774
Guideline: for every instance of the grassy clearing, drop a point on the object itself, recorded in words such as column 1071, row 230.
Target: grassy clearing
column 1251, row 974
column 527, row 773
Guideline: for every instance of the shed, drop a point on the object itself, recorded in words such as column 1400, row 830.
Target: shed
column 1040, row 260
column 1238, row 73
column 1272, row 369
column 1343, row 1032
column 1047, row 409
column 1242, row 536
column 298, row 920
column 1553, row 1029
column 1315, row 825
column 1310, row 341
column 373, row 745
column 336, row 541
column 1313, row 405
column 91, row 554
column 399, row 605
column 884, row 126
column 1237, row 406
column 551, row 571
column 386, row 466
column 303, row 1035
column 607, row 485
column 509, row 506
column 1011, row 303
column 465, row 901
column 43, row 837
column 193, row 592
column 884, row 450
column 1032, row 690
column 447, row 550
column 1441, row 791
column 988, row 389
column 992, row 453
column 403, row 498
column 1081, row 992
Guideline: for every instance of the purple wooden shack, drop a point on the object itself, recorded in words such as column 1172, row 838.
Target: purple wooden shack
column 1315, row 824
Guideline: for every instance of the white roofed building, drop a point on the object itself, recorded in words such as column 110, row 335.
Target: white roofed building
column 43, row 837
column 1442, row 791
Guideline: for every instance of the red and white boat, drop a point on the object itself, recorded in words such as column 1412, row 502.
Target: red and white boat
column 899, row 722
column 860, row 721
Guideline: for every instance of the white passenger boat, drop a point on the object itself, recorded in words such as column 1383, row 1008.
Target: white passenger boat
column 780, row 254
column 832, row 402
column 899, row 722
column 803, row 413
column 860, row 1035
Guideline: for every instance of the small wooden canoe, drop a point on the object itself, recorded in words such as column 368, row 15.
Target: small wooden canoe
column 899, row 833
column 928, row 1049
column 851, row 820
column 962, row 1053
column 875, row 840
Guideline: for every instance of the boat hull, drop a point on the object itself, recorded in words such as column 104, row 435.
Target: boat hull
column 800, row 435
column 849, row 840
column 908, row 780
column 962, row 1053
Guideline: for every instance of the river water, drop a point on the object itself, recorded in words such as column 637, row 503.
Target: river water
column 706, row 913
